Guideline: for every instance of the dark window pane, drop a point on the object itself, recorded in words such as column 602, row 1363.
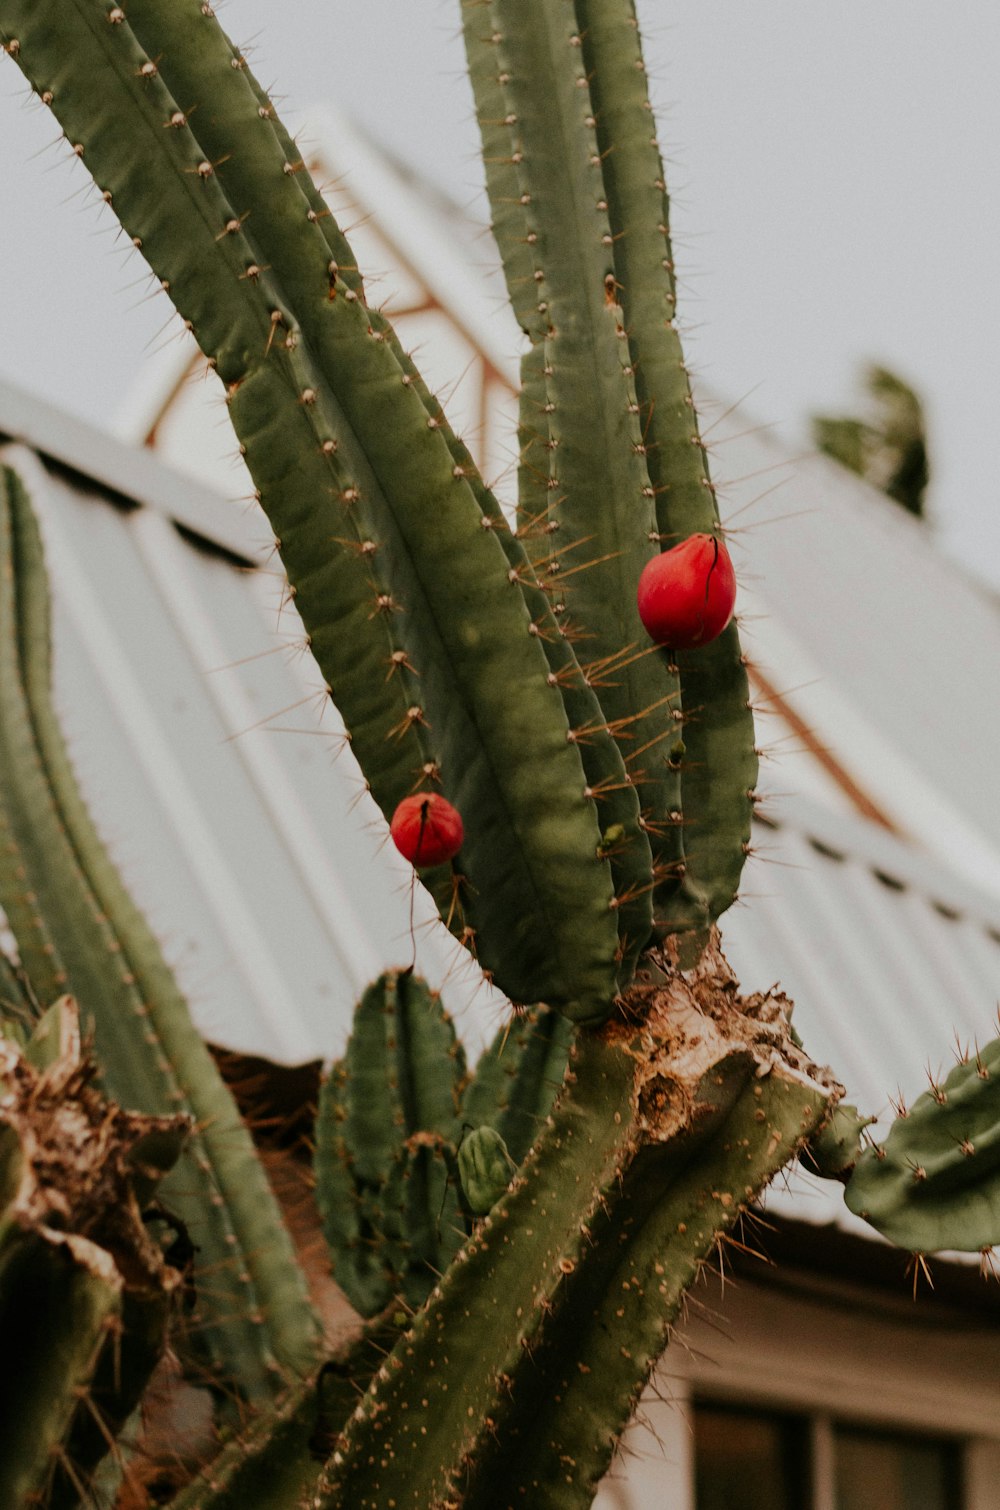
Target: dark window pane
column 877, row 1471
column 746, row 1461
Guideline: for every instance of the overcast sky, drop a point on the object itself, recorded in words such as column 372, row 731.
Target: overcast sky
column 834, row 172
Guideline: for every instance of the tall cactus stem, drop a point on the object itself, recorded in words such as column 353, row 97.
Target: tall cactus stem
column 256, row 1318
column 720, row 762
column 600, row 503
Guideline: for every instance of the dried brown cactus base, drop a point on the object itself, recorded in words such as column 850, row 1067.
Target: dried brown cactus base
column 86, row 1291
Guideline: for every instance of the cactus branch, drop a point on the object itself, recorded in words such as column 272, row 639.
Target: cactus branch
column 720, row 763
column 114, row 966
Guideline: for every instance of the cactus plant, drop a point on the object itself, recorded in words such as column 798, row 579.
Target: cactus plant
column 78, row 929
column 604, row 782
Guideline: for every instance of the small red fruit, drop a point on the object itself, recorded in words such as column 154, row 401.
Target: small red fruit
column 686, row 595
column 426, row 829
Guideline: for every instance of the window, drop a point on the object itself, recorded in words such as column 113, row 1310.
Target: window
column 876, row 1471
column 750, row 1461
column 771, row 1460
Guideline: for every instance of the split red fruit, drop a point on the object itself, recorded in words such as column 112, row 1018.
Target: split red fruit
column 426, row 829
column 686, row 595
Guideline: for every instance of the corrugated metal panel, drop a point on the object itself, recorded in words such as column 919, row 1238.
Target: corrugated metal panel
column 887, row 648
column 891, row 961
column 887, row 957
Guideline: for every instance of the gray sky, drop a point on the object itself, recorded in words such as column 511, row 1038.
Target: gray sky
column 834, row 173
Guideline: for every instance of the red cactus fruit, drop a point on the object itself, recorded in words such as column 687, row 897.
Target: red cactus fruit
column 426, row 829
column 686, row 595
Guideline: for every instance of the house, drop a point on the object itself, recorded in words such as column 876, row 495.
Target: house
column 226, row 792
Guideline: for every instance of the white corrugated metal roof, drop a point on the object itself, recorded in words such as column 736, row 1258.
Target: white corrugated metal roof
column 889, row 958
column 887, row 649
column 893, row 964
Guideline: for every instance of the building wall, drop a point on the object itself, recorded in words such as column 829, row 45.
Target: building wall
column 831, row 1352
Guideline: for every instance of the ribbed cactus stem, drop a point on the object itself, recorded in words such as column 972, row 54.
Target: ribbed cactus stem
column 579, row 1390
column 386, row 1130
column 600, row 498
column 649, row 1097
column 511, row 224
column 719, row 768
column 934, row 1182
column 254, row 1317
column 518, row 1078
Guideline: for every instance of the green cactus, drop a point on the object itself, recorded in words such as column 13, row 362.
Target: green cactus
column 78, row 929
column 386, row 1132
column 934, row 1183
column 521, row 1280
column 518, row 1078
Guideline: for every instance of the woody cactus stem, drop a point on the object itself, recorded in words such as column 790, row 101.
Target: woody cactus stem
column 586, row 1376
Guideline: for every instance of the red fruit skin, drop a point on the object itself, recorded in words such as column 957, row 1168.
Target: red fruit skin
column 686, row 595
column 426, row 829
